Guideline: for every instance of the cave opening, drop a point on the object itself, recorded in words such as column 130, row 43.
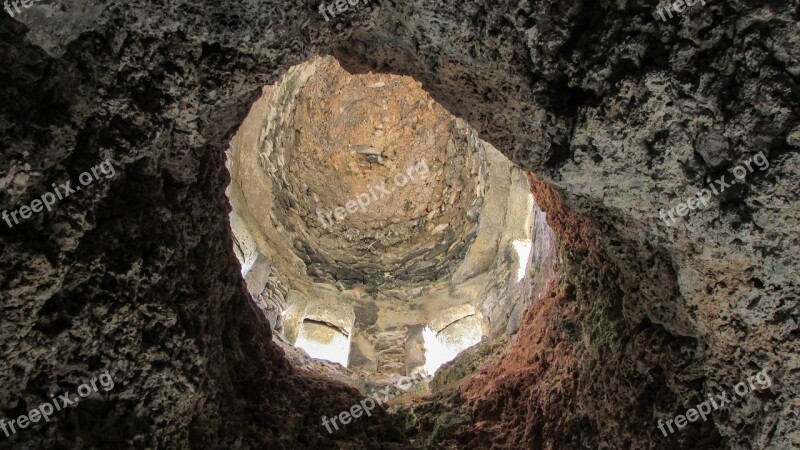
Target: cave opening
column 376, row 232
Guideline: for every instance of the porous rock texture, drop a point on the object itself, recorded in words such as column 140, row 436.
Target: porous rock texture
column 616, row 113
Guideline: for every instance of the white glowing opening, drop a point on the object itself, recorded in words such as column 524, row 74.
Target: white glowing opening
column 244, row 246
column 439, row 351
column 436, row 352
column 523, row 249
column 248, row 264
column 336, row 347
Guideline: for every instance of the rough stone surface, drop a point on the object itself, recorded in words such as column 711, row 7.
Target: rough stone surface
column 604, row 102
column 438, row 243
column 447, row 316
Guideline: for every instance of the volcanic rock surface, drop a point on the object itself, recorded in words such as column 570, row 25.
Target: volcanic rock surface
column 615, row 114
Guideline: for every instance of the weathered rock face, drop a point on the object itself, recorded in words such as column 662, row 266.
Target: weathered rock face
column 619, row 114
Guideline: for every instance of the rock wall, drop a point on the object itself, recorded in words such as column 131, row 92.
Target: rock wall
column 624, row 115
column 453, row 232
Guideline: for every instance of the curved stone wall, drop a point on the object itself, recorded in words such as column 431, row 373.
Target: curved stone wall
column 427, row 178
column 447, row 250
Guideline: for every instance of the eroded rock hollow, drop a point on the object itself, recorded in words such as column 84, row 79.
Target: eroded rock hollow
column 398, row 236
column 597, row 218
